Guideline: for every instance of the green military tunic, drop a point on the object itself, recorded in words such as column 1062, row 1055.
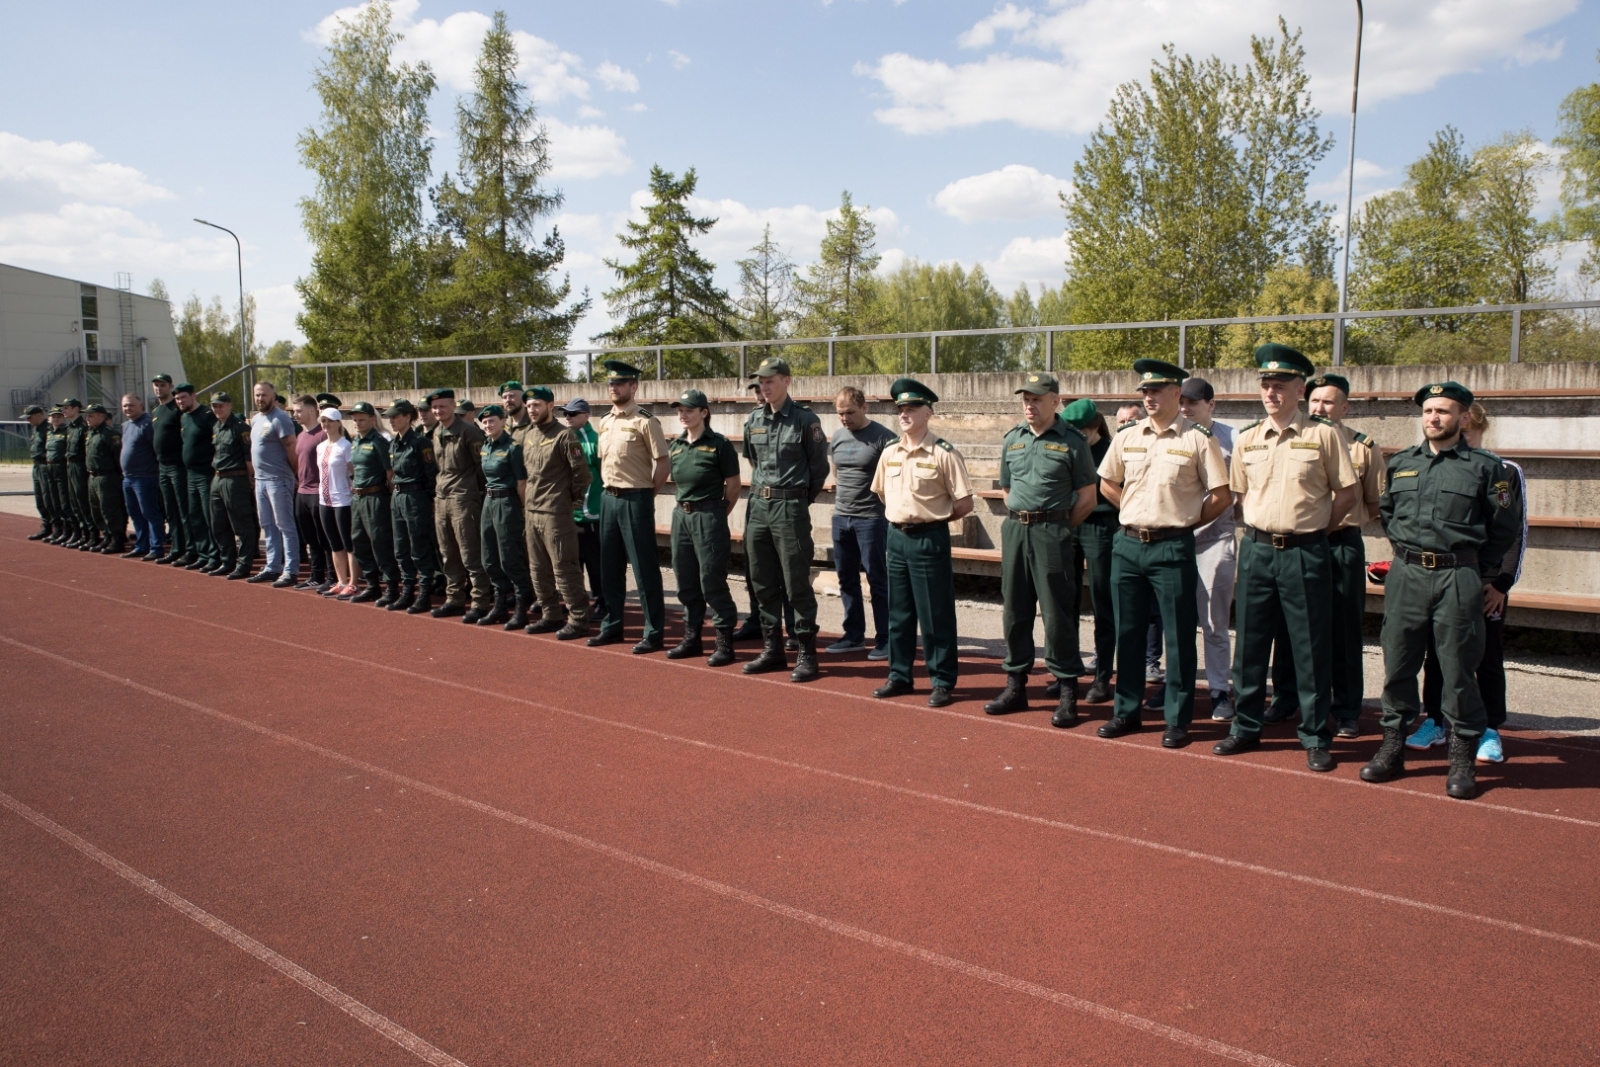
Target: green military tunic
column 371, row 526
column 55, row 465
column 700, row 538
column 458, row 512
column 233, row 504
column 411, row 460
column 103, row 462
column 1450, row 519
column 78, row 476
column 38, row 438
column 505, row 551
column 198, row 425
column 1042, row 475
column 788, row 454
column 166, row 437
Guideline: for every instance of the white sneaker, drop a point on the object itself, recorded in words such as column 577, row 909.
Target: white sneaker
column 1222, row 709
column 1153, row 674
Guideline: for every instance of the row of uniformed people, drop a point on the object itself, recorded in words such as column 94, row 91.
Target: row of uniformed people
column 77, row 477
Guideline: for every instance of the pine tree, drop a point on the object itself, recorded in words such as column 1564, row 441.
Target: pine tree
column 837, row 289
column 766, row 289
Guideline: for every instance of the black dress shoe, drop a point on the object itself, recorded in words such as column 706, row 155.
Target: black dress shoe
column 1117, row 727
column 197, row 565
column 1348, row 728
column 570, row 632
column 1175, row 737
column 1319, row 759
column 449, row 611
column 1277, row 712
column 472, row 616
column 1234, row 744
column 264, row 577
column 40, row 536
column 645, row 647
column 545, row 625
column 940, row 697
column 894, row 687
column 132, row 553
column 605, row 637
column 240, row 574
column 1098, row 693
column 154, row 557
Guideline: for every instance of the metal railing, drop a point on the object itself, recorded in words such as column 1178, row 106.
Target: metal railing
column 657, row 354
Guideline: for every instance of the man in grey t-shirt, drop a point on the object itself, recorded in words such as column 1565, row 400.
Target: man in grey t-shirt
column 860, row 531
column 273, row 454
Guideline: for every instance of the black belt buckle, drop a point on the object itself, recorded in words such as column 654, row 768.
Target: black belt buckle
column 687, row 507
column 1429, row 560
column 1279, row 540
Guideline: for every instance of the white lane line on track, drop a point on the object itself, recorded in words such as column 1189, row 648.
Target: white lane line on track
column 955, row 802
column 1390, row 789
column 239, row 939
column 255, row 948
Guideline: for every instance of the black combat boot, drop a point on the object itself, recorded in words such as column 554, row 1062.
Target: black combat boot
column 750, row 629
column 1462, row 781
column 497, row 613
column 689, row 646
column 391, row 593
column 423, row 604
column 368, row 595
column 519, row 614
column 722, row 655
column 771, row 658
column 1066, row 711
column 405, row 598
column 805, row 662
column 1014, row 697
column 1390, row 760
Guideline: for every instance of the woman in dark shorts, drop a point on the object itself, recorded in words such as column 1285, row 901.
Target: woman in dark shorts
column 334, row 496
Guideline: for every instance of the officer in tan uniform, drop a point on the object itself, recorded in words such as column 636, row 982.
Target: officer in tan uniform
column 633, row 466
column 1167, row 476
column 923, row 482
column 1294, row 477
column 558, row 480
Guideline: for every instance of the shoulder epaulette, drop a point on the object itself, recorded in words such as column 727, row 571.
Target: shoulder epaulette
column 1252, row 426
column 1018, row 426
column 1073, row 429
column 1204, row 429
column 942, row 443
column 647, row 412
column 1361, row 438
column 1129, row 426
column 1322, row 419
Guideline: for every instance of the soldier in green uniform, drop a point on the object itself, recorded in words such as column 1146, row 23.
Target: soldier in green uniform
column 705, row 474
column 166, row 420
column 633, row 467
column 1048, row 475
column 38, row 437
column 411, row 511
column 102, row 447
column 233, row 504
column 788, row 454
column 78, row 478
column 371, row 525
column 1293, row 476
column 1446, row 508
column 923, row 483
column 558, row 479
column 1168, row 477
column 505, row 555
column 518, row 420
column 55, row 465
column 428, row 425
column 199, row 424
column 458, row 510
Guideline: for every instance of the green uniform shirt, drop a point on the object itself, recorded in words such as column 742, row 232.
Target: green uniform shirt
column 102, row 449
column 231, row 440
column 55, row 445
column 1043, row 472
column 502, row 462
column 76, row 429
column 455, row 450
column 411, row 459
column 166, row 437
column 37, row 438
column 786, row 449
column 700, row 467
column 1105, row 510
column 198, row 448
column 1458, row 500
column 369, row 461
column 589, row 441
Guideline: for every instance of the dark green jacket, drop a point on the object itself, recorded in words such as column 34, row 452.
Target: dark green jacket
column 103, row 449
column 369, row 460
column 411, row 459
column 55, row 446
column 1459, row 500
column 1044, row 472
column 786, row 449
column 700, row 467
column 37, row 438
column 231, row 439
column 167, row 437
column 198, row 449
column 502, row 462
column 76, row 429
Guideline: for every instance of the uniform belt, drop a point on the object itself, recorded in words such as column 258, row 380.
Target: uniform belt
column 1146, row 535
column 692, row 506
column 231, row 472
column 1034, row 518
column 768, row 492
column 1277, row 540
column 410, row 487
column 1436, row 560
column 613, row 490
column 39, row 461
column 915, row 527
column 371, row 490
column 1345, row 535
column 497, row 494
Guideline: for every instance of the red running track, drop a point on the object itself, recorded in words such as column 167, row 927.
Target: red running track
column 251, row 826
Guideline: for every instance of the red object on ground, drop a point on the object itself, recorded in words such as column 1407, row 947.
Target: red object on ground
column 1379, row 571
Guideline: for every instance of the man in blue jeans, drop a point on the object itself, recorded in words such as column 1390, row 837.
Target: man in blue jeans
column 275, row 459
column 860, row 531
column 141, row 480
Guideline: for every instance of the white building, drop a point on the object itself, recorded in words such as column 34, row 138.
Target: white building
column 64, row 338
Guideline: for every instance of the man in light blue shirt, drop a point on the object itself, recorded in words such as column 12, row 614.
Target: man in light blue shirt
column 272, row 451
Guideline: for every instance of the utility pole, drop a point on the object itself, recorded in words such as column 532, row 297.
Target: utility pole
column 239, row 250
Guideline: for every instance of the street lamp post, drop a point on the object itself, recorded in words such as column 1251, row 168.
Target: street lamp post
column 1349, row 200
column 239, row 250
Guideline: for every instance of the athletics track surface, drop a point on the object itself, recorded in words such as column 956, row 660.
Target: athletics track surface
column 248, row 826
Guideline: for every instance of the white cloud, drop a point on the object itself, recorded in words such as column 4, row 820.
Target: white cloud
column 587, row 112
column 74, row 169
column 798, row 228
column 1011, row 193
column 1029, row 261
column 636, row 108
column 1085, row 50
column 78, row 235
column 585, row 151
column 276, row 307
column 616, row 79
column 679, row 60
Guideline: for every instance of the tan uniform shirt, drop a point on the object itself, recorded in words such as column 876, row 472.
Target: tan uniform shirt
column 558, row 475
column 630, row 444
column 1287, row 478
column 1367, row 460
column 920, row 483
column 1165, row 476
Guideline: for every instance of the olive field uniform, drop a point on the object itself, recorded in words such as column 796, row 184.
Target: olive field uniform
column 166, row 437
column 103, row 463
column 55, row 456
column 198, row 451
column 788, row 455
column 371, row 512
column 505, row 553
column 38, row 441
column 458, row 511
column 630, row 442
column 411, row 511
column 558, row 481
column 701, row 544
column 78, row 479
column 233, row 505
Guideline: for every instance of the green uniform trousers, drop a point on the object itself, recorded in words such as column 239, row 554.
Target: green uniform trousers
column 557, row 569
column 628, row 538
column 1163, row 571
column 78, row 493
column 505, row 552
column 233, row 519
column 61, row 507
column 372, row 537
column 174, row 482
column 459, row 536
column 1347, row 555
column 1444, row 606
column 411, row 519
column 701, row 547
column 922, row 592
column 1034, row 581
column 106, row 505
column 197, row 517
column 1094, row 549
column 41, row 495
column 1291, row 590
column 777, row 540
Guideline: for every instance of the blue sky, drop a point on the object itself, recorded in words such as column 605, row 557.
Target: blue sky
column 957, row 123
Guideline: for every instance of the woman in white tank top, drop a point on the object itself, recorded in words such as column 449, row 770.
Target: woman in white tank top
column 333, row 500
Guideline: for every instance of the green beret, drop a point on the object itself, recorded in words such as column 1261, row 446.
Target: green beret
column 540, row 392
column 1281, row 361
column 96, row 409
column 1038, row 384
column 220, row 397
column 692, row 398
column 162, row 378
column 1158, row 372
column 401, row 406
column 773, row 365
column 183, row 387
column 491, row 409
column 328, row 400
column 440, row 394
column 71, row 402
column 1450, row 390
column 1080, row 413
column 33, row 409
column 509, row 387
column 361, row 407
column 1338, row 381
column 906, row 392
column 464, row 407
column 620, row 371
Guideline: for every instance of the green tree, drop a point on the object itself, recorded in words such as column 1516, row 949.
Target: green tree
column 208, row 338
column 1502, row 202
column 765, row 304
column 370, row 157
column 837, row 290
column 667, row 295
column 1580, row 171
column 494, row 288
column 921, row 296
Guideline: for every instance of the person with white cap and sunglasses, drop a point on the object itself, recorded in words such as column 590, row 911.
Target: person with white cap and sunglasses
column 334, row 499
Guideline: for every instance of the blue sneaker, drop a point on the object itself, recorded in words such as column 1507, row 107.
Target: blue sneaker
column 1427, row 735
column 879, row 653
column 1489, row 750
